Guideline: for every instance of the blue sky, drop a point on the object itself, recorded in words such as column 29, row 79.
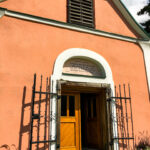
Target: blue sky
column 134, row 6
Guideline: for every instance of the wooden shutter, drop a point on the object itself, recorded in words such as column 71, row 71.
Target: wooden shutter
column 81, row 12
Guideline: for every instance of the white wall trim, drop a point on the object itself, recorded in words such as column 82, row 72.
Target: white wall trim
column 65, row 25
column 2, row 12
column 79, row 52
column 146, row 52
column 57, row 75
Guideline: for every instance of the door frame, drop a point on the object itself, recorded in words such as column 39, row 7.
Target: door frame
column 58, row 76
column 71, row 87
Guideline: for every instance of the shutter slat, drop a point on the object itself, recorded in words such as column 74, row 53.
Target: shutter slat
column 81, row 12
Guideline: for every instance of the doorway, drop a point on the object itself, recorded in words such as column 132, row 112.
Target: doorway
column 83, row 120
column 93, row 121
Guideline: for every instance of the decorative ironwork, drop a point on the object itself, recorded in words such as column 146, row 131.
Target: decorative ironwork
column 122, row 118
column 119, row 112
column 41, row 115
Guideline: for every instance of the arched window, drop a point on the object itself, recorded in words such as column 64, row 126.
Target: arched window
column 81, row 66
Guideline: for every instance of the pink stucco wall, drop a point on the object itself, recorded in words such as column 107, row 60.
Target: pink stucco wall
column 27, row 48
column 107, row 17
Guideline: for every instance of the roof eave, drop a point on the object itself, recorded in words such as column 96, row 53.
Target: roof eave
column 124, row 11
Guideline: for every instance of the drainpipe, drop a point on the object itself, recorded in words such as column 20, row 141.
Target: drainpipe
column 2, row 12
column 145, row 46
column 53, row 114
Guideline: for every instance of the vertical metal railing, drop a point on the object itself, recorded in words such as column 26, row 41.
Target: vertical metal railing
column 40, row 116
column 124, row 118
column 39, row 112
column 32, row 111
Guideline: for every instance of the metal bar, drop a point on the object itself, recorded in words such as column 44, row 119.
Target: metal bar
column 39, row 111
column 49, row 111
column 131, row 114
column 117, row 112
column 123, row 138
column 32, row 109
column 45, row 125
column 38, row 92
column 58, row 110
column 122, row 119
column 109, row 123
column 119, row 97
column 126, row 113
column 45, row 141
column 118, row 117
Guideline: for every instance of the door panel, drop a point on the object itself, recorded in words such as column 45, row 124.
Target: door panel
column 69, row 122
column 67, row 134
column 92, row 120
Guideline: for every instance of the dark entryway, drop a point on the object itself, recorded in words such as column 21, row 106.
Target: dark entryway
column 93, row 121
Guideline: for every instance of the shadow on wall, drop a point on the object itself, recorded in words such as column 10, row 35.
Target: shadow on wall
column 25, row 126
column 143, row 141
column 35, row 117
column 7, row 147
column 39, row 125
column 24, row 129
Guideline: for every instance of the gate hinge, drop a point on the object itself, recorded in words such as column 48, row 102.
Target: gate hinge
column 58, row 97
column 108, row 91
column 58, row 145
column 109, row 99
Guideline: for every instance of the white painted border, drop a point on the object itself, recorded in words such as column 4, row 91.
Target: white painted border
column 64, row 25
column 57, row 75
column 146, row 52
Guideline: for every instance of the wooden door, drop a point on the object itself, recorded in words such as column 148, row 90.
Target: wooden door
column 69, row 122
column 91, row 121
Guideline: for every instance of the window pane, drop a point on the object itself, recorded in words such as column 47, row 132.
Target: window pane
column 71, row 106
column 63, row 105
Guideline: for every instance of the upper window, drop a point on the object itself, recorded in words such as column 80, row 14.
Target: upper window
column 81, row 12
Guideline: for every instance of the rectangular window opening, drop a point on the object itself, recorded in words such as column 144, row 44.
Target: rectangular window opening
column 71, row 106
column 63, row 105
column 81, row 12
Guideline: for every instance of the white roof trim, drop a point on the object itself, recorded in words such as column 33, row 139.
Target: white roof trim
column 129, row 18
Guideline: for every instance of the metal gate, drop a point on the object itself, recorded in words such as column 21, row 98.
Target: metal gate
column 123, row 119
column 40, row 116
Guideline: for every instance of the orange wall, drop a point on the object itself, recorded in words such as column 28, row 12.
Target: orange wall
column 106, row 17
column 27, row 48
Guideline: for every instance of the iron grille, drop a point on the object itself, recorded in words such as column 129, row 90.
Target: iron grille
column 40, row 116
column 81, row 12
column 123, row 118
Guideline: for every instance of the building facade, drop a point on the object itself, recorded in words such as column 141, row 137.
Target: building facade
column 96, row 58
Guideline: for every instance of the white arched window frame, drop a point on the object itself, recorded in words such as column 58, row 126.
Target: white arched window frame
column 58, row 75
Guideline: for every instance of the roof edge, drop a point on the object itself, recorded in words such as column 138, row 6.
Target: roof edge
column 60, row 24
column 127, row 15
